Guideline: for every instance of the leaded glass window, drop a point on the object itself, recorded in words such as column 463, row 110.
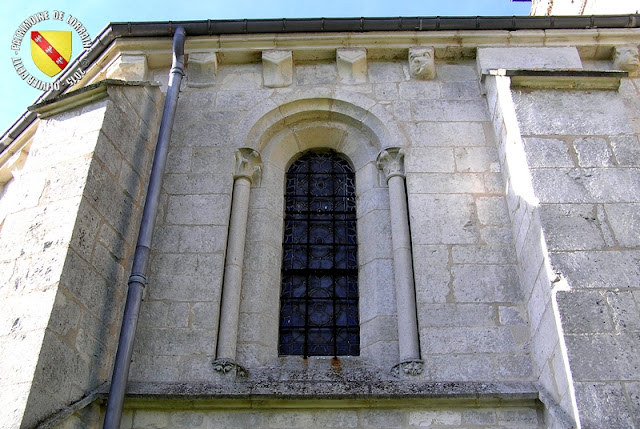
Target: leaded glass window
column 319, row 298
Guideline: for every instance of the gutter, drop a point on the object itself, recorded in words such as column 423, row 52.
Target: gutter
column 210, row 27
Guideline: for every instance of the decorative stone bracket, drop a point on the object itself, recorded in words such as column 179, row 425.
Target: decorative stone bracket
column 202, row 68
column 627, row 58
column 352, row 65
column 422, row 63
column 277, row 68
column 128, row 67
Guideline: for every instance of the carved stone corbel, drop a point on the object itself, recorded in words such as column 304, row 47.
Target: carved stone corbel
column 627, row 58
column 352, row 65
column 277, row 68
column 422, row 63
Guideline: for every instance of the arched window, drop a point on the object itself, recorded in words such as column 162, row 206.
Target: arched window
column 319, row 295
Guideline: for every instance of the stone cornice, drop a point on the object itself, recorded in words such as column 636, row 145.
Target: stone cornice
column 80, row 97
column 563, row 79
column 236, row 49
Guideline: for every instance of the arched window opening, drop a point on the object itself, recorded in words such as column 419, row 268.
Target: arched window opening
column 319, row 295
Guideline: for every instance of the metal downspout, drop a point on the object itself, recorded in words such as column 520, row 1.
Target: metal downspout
column 138, row 279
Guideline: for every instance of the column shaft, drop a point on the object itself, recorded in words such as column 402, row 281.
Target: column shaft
column 232, row 283
column 391, row 161
column 408, row 341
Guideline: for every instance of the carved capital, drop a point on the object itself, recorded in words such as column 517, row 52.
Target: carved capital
column 248, row 164
column 410, row 367
column 226, row 366
column 422, row 63
column 627, row 58
column 391, row 161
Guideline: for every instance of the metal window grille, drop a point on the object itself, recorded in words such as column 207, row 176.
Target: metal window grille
column 319, row 298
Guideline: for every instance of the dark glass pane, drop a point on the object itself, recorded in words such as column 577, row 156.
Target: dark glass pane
column 320, row 341
column 321, row 257
column 319, row 300
column 291, row 341
column 294, row 286
column 293, row 314
column 295, row 257
column 321, row 313
column 320, row 286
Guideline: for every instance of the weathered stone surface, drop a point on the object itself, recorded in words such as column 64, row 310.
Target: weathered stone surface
column 599, row 269
column 449, row 110
column 624, row 310
column 446, row 219
column 485, row 283
column 584, row 312
column 620, row 349
column 570, row 113
column 603, row 404
column 547, row 152
column 593, row 152
column 571, row 226
column 624, row 220
column 590, row 185
column 380, row 72
column 477, row 159
column 446, row 134
column 626, row 150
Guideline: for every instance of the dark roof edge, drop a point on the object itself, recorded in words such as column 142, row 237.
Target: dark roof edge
column 329, row 25
column 315, row 25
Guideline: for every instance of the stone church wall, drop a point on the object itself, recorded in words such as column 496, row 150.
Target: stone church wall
column 522, row 193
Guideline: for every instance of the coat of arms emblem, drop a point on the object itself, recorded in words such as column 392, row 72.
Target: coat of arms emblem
column 51, row 50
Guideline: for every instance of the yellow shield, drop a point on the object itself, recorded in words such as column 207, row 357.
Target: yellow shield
column 51, row 50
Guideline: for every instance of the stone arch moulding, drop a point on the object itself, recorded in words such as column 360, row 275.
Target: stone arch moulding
column 281, row 134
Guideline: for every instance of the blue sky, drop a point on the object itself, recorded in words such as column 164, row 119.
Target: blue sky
column 95, row 16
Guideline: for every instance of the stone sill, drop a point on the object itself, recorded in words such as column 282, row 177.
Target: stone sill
column 351, row 393
column 562, row 79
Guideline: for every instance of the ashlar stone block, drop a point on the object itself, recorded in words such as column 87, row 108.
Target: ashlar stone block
column 277, row 68
column 352, row 65
column 130, row 67
column 202, row 69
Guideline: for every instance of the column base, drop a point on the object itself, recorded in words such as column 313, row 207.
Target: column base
column 413, row 367
column 227, row 366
